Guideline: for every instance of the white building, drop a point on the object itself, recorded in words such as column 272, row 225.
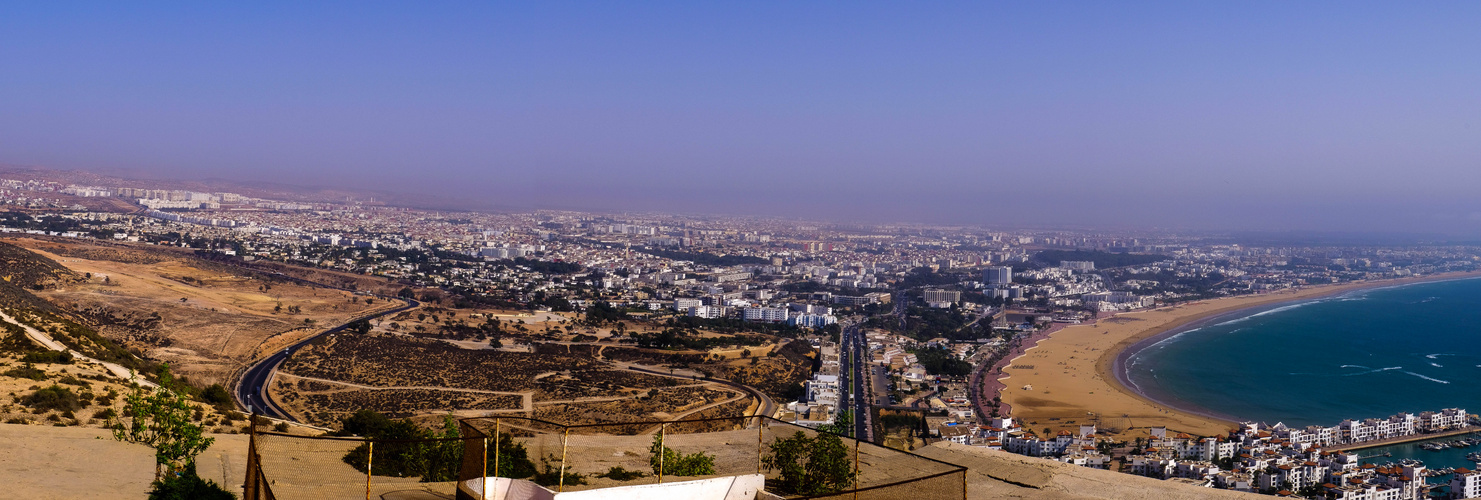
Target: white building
column 936, row 298
column 812, row 320
column 1465, row 484
column 1077, row 265
column 707, row 312
column 765, row 314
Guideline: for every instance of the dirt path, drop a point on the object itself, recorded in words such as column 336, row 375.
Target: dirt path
column 680, row 416
column 50, row 343
column 387, row 388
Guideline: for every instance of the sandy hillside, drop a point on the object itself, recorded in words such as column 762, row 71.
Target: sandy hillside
column 206, row 319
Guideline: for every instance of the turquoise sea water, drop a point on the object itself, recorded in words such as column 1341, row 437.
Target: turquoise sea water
column 1366, row 353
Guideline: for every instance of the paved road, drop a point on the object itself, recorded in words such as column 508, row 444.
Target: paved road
column 854, row 363
column 251, row 391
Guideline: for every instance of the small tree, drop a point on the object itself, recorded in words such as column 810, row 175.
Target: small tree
column 161, row 419
column 439, row 460
column 671, row 463
column 842, row 424
column 810, row 465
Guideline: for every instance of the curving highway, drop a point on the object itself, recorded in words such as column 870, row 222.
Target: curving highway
column 251, row 390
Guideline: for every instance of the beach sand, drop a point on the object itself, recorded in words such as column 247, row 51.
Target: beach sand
column 1067, row 379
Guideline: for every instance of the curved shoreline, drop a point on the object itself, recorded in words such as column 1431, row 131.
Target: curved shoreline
column 1117, row 369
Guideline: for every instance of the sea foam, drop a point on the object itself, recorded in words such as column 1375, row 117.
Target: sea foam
column 1431, row 379
column 1272, row 311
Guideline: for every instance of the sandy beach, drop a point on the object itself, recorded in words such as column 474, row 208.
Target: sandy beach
column 1068, row 378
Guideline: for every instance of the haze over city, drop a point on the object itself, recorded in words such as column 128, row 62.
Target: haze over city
column 740, row 250
column 1326, row 116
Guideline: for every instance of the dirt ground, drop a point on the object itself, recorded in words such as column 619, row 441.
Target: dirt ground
column 44, row 463
column 203, row 318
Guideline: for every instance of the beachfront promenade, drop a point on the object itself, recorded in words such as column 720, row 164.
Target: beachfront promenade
column 1404, row 439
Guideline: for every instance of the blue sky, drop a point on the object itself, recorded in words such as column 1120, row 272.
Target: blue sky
column 1244, row 115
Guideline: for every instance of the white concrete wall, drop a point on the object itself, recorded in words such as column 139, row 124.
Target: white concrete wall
column 721, row 488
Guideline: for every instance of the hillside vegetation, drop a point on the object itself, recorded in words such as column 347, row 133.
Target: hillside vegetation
column 25, row 272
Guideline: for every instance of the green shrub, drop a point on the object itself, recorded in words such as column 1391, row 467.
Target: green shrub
column 551, row 476
column 28, row 371
column 188, row 486
column 70, row 380
column 621, row 474
column 215, row 395
column 810, row 465
column 430, row 460
column 673, row 463
column 58, row 357
column 55, row 397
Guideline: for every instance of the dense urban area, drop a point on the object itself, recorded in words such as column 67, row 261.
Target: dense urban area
column 898, row 329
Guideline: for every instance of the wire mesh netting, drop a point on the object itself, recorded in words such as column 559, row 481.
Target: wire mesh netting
column 781, row 459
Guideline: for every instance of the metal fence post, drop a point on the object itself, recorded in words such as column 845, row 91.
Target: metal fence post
column 565, row 439
column 369, row 465
column 485, row 464
column 856, row 469
column 496, row 447
column 661, row 450
column 249, row 488
column 759, row 438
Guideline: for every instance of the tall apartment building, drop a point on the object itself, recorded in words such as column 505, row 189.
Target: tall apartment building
column 997, row 275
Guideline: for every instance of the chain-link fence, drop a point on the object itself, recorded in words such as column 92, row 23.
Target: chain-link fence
column 513, row 458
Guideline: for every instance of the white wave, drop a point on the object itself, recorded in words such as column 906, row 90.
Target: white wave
column 1436, row 365
column 1361, row 366
column 1162, row 344
column 1265, row 312
column 1437, row 356
column 1278, row 309
column 1431, row 379
column 1373, row 371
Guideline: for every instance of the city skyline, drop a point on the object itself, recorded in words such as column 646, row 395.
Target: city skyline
column 1261, row 116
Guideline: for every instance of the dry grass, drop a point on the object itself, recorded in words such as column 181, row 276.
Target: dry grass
column 226, row 318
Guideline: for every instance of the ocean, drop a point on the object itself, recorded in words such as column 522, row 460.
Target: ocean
column 1361, row 354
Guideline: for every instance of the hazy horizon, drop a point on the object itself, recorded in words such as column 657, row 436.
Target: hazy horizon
column 1256, row 116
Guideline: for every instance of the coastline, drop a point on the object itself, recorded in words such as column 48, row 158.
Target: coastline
column 1065, row 391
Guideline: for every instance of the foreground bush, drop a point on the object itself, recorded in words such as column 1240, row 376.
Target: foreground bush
column 810, row 465
column 432, row 461
column 188, row 486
